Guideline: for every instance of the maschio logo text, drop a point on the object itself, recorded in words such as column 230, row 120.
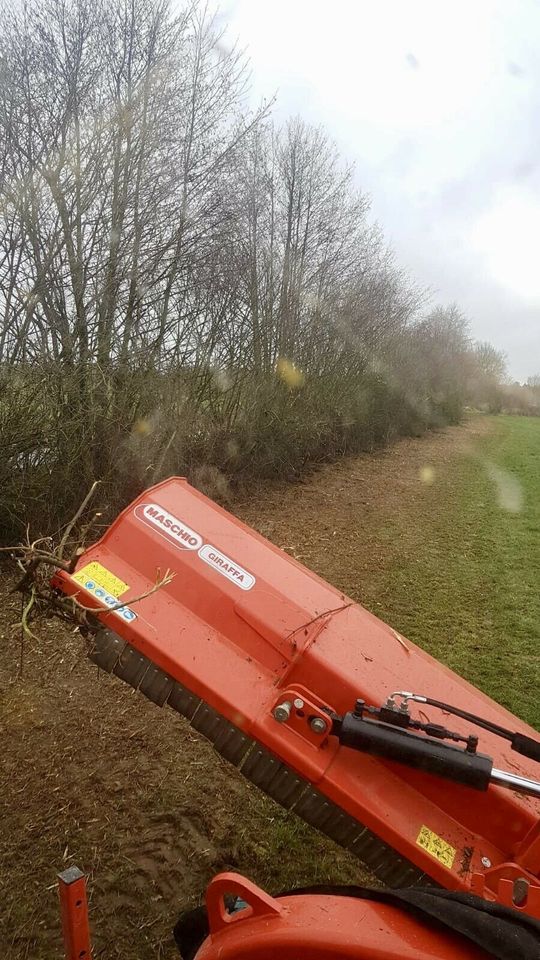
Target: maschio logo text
column 170, row 527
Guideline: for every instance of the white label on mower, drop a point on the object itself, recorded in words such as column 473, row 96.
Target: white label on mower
column 168, row 526
column 227, row 567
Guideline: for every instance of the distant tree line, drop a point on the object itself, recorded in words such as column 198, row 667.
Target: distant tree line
column 186, row 285
column 522, row 399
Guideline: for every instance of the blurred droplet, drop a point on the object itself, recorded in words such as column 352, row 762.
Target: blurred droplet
column 289, row 373
column 233, row 449
column 222, row 380
column 211, row 481
column 311, row 300
column 509, row 490
column 427, row 474
column 412, row 61
column 142, row 427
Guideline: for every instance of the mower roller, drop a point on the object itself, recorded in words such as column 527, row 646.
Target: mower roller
column 320, row 704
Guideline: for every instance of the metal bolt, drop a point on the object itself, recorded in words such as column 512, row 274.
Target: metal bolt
column 318, row 725
column 486, row 862
column 520, row 892
column 298, row 704
column 282, row 712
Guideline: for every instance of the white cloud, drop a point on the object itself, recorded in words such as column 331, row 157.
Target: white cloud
column 437, row 102
column 506, row 237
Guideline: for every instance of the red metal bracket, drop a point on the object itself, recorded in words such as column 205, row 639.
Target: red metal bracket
column 303, row 708
column 527, row 853
column 510, row 885
column 74, row 910
column 259, row 903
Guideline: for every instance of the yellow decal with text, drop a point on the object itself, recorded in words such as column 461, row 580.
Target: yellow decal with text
column 96, row 574
column 437, row 847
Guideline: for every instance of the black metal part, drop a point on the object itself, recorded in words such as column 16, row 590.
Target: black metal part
column 423, row 753
column 519, row 742
column 400, row 717
column 526, row 746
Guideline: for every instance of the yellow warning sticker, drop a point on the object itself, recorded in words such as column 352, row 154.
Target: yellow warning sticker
column 95, row 575
column 437, row 847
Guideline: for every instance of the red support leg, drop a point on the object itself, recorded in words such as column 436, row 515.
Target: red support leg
column 74, row 909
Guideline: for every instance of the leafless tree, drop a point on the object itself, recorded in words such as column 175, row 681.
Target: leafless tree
column 181, row 278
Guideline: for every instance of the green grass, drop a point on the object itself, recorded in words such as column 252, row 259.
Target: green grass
column 463, row 580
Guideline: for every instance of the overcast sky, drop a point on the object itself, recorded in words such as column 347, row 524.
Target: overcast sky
column 438, row 104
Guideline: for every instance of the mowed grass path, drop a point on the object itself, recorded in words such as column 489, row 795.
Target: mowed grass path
column 463, row 575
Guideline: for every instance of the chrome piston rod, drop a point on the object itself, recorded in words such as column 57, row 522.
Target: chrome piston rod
column 513, row 782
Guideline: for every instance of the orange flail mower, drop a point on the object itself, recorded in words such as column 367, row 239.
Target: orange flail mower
column 330, row 712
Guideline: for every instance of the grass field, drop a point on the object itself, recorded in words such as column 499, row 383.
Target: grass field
column 462, row 577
